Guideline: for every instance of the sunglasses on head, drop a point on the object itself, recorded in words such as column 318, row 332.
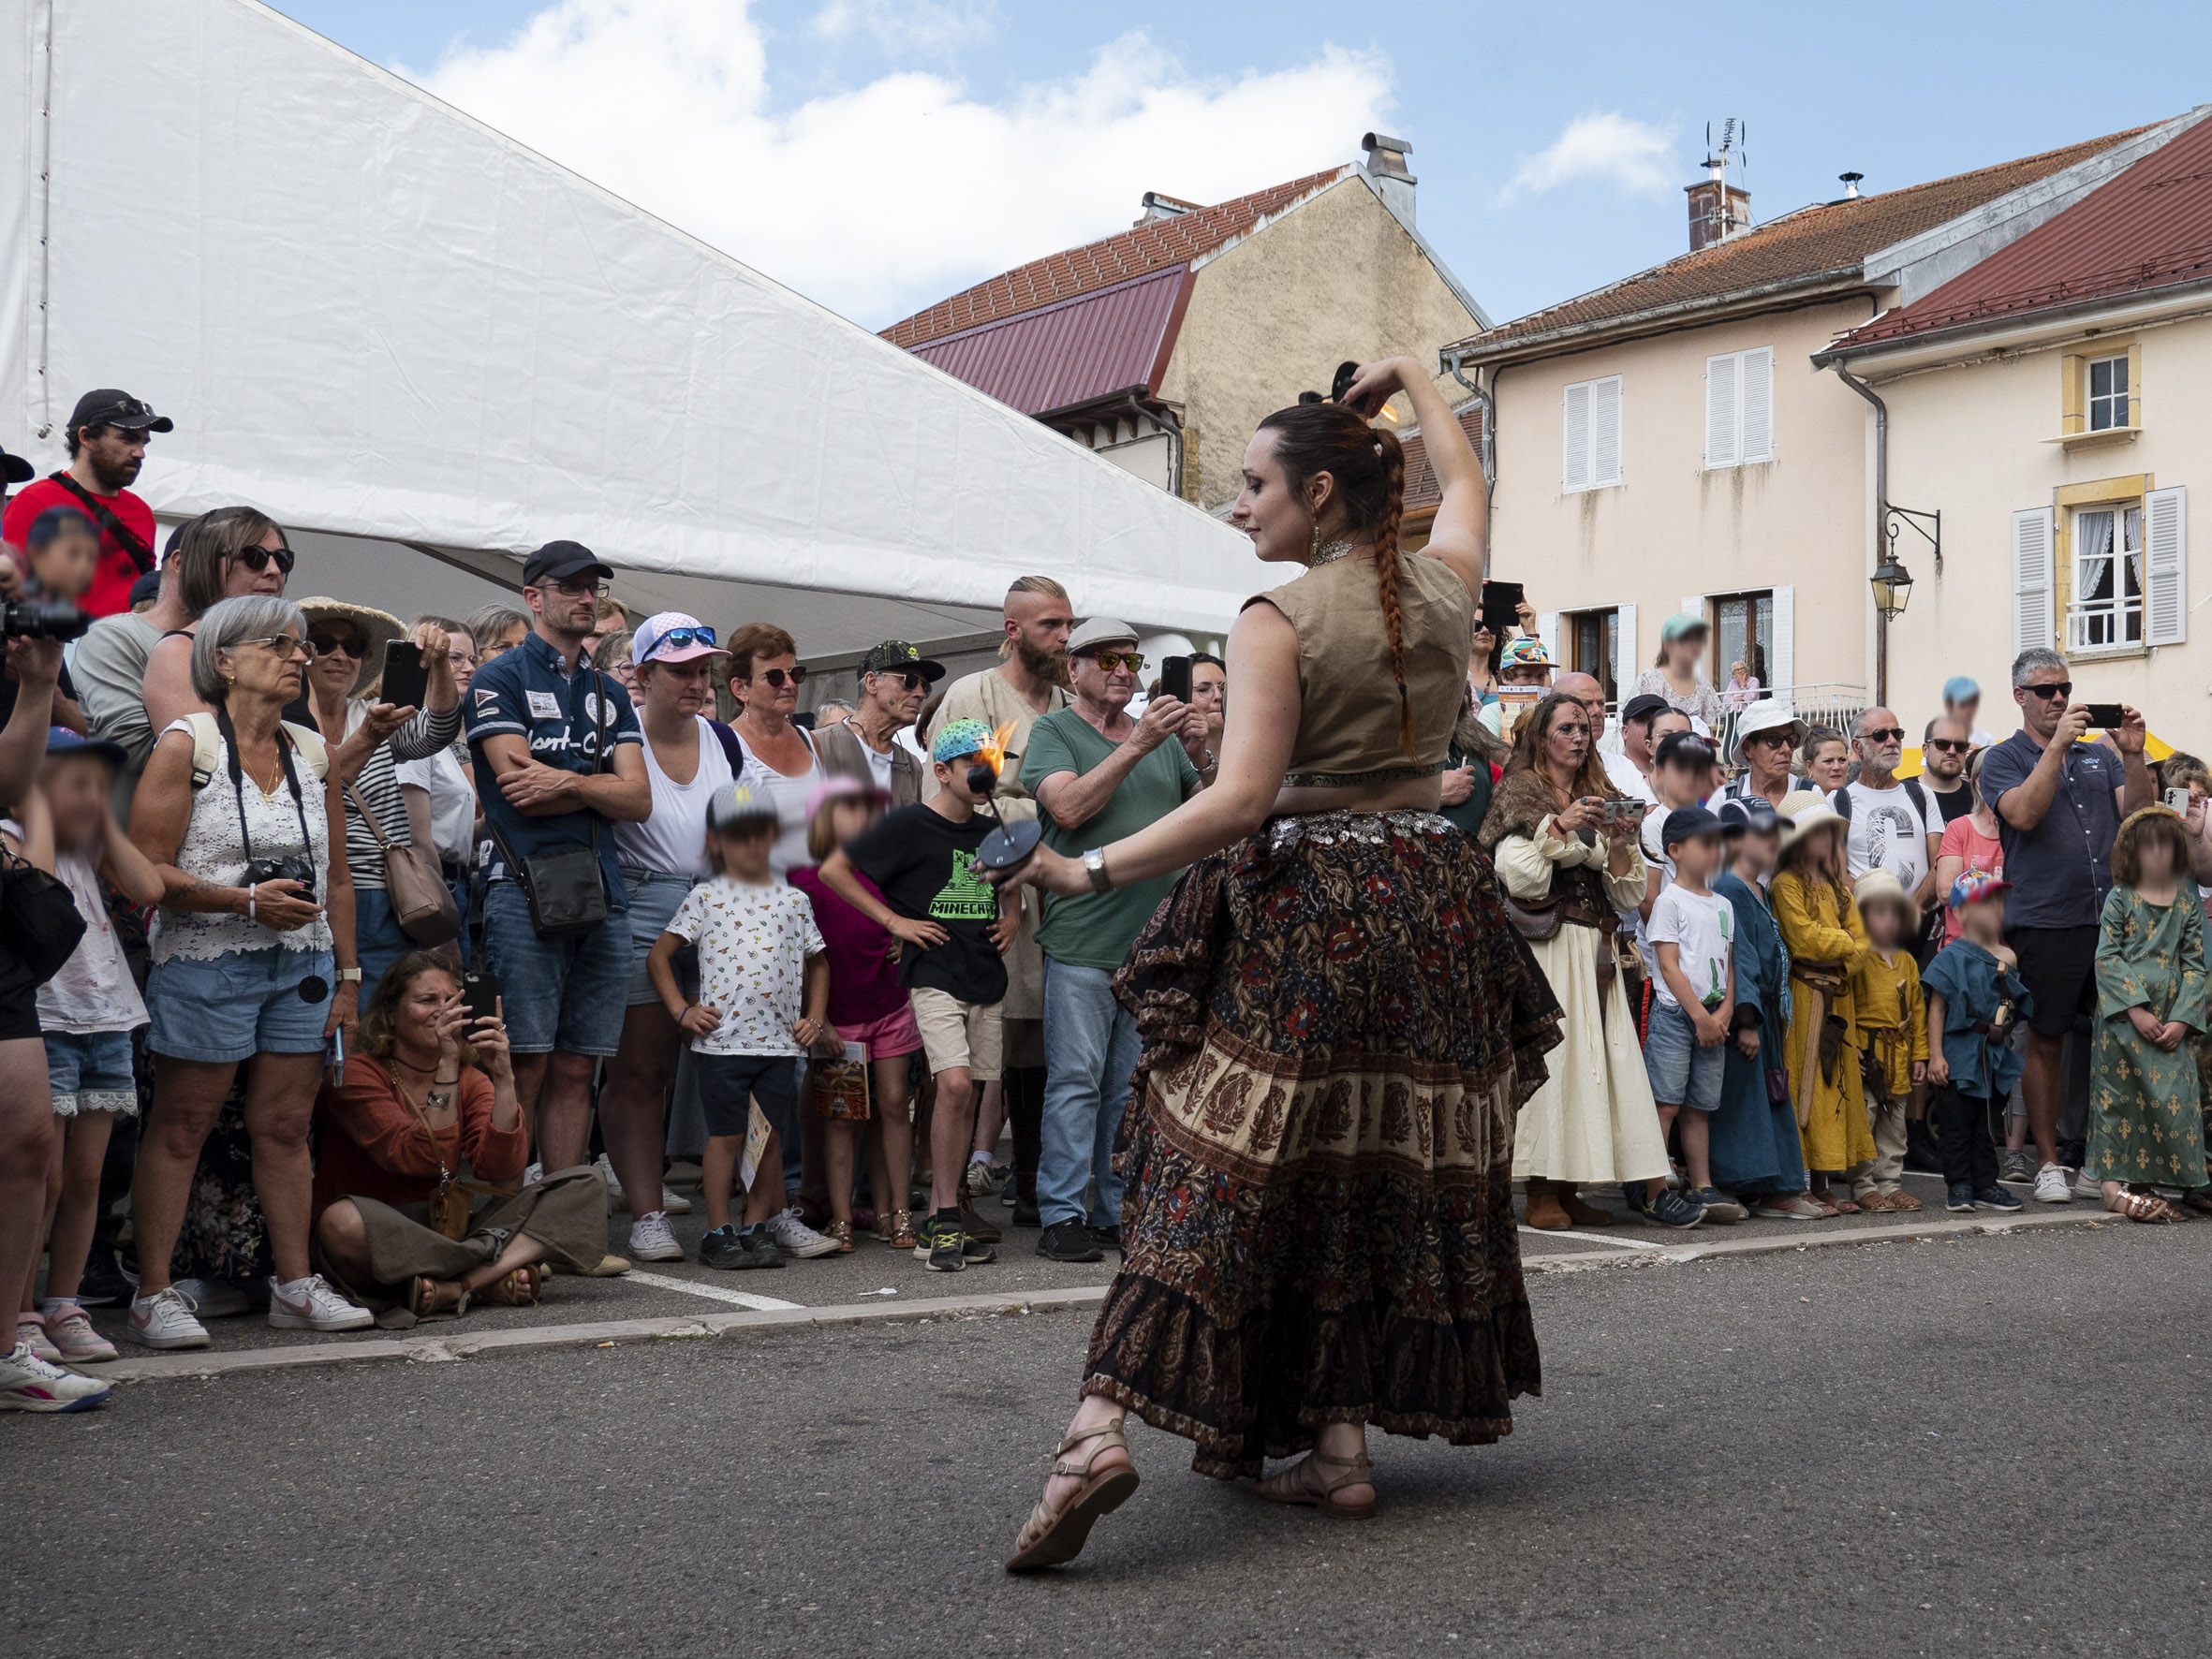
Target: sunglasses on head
column 680, row 638
column 1111, row 660
column 1884, row 734
column 779, row 678
column 257, row 559
column 2062, row 688
column 333, row 645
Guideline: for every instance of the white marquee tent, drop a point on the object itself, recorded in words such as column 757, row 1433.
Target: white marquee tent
column 427, row 349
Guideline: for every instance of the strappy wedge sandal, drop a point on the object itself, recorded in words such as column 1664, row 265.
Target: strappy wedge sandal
column 2138, row 1206
column 1051, row 1536
column 1294, row 1485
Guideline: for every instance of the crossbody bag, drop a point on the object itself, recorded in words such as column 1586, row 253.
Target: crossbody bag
column 566, row 890
column 421, row 903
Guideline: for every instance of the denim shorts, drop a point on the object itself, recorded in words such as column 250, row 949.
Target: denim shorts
column 653, row 896
column 91, row 1071
column 1682, row 1071
column 241, row 1004
column 557, row 994
column 726, row 1081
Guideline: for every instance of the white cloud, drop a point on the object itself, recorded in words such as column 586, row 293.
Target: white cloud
column 929, row 26
column 1635, row 155
column 881, row 199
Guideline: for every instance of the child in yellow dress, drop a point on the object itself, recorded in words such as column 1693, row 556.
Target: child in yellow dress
column 1826, row 941
column 1891, row 1034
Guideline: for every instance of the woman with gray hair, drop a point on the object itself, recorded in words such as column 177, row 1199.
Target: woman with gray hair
column 253, row 956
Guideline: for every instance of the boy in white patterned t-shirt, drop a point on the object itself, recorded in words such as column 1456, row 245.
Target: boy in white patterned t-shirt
column 760, row 954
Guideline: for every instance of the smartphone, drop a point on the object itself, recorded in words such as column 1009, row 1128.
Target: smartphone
column 1174, row 678
column 2179, row 801
column 1502, row 605
column 480, row 994
column 337, row 1056
column 406, row 682
column 2105, row 717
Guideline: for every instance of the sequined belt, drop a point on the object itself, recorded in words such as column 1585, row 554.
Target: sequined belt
column 1371, row 827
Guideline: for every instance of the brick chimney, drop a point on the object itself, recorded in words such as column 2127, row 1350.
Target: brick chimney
column 1717, row 210
column 1386, row 166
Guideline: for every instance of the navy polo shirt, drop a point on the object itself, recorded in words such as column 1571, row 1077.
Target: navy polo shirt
column 529, row 693
column 2060, row 869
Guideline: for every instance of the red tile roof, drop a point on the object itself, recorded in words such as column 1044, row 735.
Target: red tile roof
column 2148, row 227
column 1077, row 351
column 1135, row 252
column 1422, row 495
column 1828, row 241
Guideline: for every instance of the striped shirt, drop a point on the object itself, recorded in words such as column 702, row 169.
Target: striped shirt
column 378, row 785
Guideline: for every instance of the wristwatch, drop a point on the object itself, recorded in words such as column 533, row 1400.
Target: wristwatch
column 349, row 976
column 1094, row 863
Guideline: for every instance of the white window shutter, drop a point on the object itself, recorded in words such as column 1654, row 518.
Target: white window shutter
column 1547, row 629
column 1781, row 657
column 2165, row 547
column 1627, row 662
column 1757, row 423
column 1605, row 432
column 1721, row 425
column 2032, row 537
column 1574, row 469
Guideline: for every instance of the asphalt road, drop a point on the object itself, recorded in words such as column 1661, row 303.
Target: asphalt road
column 1986, row 1446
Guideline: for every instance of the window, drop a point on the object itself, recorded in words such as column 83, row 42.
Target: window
column 1591, row 458
column 2108, row 393
column 1593, row 648
column 1740, row 407
column 2106, row 608
column 1744, row 632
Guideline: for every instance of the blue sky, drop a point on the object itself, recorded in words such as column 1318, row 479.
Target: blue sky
column 891, row 150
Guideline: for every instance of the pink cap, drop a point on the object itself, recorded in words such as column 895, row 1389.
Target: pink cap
column 692, row 639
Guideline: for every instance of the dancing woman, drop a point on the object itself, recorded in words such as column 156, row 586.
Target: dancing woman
column 1339, row 1024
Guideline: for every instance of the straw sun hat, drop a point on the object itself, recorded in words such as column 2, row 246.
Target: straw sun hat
column 377, row 629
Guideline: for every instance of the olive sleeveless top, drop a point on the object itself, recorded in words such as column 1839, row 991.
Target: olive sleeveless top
column 1347, row 721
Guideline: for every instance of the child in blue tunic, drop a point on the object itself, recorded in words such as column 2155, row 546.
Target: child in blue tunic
column 1755, row 1149
column 1975, row 1001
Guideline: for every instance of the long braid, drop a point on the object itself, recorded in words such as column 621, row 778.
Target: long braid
column 1386, row 577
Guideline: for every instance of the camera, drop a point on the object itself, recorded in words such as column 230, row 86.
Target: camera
column 293, row 869
column 33, row 618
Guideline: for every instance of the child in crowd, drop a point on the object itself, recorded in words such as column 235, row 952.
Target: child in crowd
column 1680, row 767
column 759, row 953
column 1975, row 1001
column 1754, row 1133
column 954, row 933
column 61, row 557
column 1891, row 1034
column 1691, row 928
column 868, row 1007
column 1827, row 941
column 86, row 1013
column 2146, row 1127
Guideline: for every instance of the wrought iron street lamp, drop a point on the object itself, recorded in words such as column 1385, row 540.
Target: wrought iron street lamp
column 1893, row 587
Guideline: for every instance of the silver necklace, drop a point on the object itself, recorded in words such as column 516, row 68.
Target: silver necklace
column 1327, row 552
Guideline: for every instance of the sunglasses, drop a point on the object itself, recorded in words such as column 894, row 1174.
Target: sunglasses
column 1770, row 739
column 910, row 678
column 283, row 644
column 257, row 559
column 1111, row 660
column 1884, row 734
column 2064, row 688
column 1950, row 746
column 779, row 678
column 680, row 638
column 332, row 645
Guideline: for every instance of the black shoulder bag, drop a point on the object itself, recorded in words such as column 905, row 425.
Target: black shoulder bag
column 38, row 919
column 566, row 890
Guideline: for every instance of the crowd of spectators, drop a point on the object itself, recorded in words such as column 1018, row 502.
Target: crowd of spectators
column 362, row 1011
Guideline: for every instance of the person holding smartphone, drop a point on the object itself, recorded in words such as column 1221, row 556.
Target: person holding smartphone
column 2058, row 802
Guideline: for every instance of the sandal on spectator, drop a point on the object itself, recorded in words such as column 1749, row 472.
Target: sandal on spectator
column 1307, row 1482
column 519, row 1289
column 1788, row 1207
column 841, row 1231
column 1051, row 1536
column 1874, row 1203
column 1901, row 1201
column 897, row 1229
column 2138, row 1206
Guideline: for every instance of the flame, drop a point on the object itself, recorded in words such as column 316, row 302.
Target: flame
column 1388, row 414
column 993, row 753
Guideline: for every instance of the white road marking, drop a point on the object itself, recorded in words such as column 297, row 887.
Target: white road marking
column 1567, row 1233
column 740, row 1299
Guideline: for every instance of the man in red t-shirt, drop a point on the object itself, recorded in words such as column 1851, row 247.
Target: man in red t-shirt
column 106, row 439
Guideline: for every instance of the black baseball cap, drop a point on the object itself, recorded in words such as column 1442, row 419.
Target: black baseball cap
column 897, row 655
column 1683, row 748
column 1686, row 823
column 147, row 587
column 109, row 407
column 557, row 559
column 1650, row 705
column 14, row 469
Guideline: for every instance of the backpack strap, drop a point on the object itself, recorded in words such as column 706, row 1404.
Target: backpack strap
column 312, row 748
column 118, row 532
column 1840, row 803
column 1919, row 797
column 733, row 748
column 206, row 742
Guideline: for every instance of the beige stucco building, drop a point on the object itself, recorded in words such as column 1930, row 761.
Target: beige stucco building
column 2053, row 403
column 1163, row 347
column 1667, row 443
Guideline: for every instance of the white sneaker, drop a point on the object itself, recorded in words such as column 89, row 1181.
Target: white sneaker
column 317, row 1307
column 651, row 1239
column 215, row 1298
column 30, row 1332
column 2087, row 1186
column 793, row 1236
column 533, row 1174
column 673, row 1203
column 164, row 1320
column 68, row 1327
column 606, row 1169
column 2051, row 1185
column 978, row 1181
column 28, row 1383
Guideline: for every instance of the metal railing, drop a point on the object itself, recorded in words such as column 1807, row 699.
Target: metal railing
column 1833, row 703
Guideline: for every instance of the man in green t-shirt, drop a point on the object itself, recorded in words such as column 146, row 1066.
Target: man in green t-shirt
column 1097, row 776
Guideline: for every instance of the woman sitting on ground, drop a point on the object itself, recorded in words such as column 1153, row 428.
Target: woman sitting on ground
column 429, row 1099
